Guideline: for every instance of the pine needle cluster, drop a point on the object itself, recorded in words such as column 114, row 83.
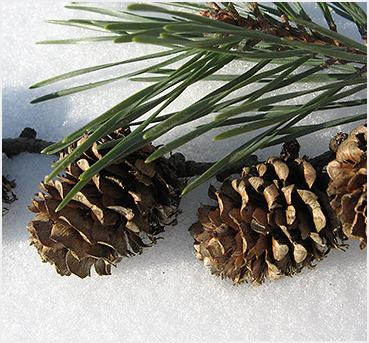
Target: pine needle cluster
column 273, row 41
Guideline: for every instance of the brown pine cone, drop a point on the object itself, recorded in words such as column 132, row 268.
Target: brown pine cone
column 272, row 222
column 348, row 186
column 8, row 194
column 121, row 207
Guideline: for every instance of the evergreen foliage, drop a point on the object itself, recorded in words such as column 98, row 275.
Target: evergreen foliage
column 273, row 41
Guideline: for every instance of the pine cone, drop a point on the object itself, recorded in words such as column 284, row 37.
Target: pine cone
column 272, row 222
column 348, row 186
column 8, row 194
column 123, row 205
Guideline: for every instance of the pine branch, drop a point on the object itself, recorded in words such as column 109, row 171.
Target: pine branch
column 26, row 142
column 215, row 37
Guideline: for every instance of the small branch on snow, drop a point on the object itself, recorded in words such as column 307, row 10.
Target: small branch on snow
column 26, row 142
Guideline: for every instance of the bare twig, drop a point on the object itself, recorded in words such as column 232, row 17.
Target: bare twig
column 26, row 142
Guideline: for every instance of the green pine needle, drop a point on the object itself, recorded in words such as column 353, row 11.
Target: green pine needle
column 82, row 71
column 203, row 46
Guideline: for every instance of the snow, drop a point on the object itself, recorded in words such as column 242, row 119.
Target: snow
column 165, row 293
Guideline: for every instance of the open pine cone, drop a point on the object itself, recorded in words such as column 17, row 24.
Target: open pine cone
column 348, row 186
column 272, row 222
column 123, row 205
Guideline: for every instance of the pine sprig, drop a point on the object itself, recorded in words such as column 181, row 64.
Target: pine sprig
column 205, row 42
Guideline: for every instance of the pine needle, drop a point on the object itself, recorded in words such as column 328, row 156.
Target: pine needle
column 204, row 46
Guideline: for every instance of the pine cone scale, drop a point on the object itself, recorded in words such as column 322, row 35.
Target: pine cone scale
column 80, row 268
column 40, row 228
column 69, row 238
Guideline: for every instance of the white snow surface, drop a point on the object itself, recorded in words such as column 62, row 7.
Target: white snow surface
column 165, row 293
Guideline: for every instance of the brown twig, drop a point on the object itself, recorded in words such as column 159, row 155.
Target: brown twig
column 231, row 16
column 26, row 142
column 190, row 168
